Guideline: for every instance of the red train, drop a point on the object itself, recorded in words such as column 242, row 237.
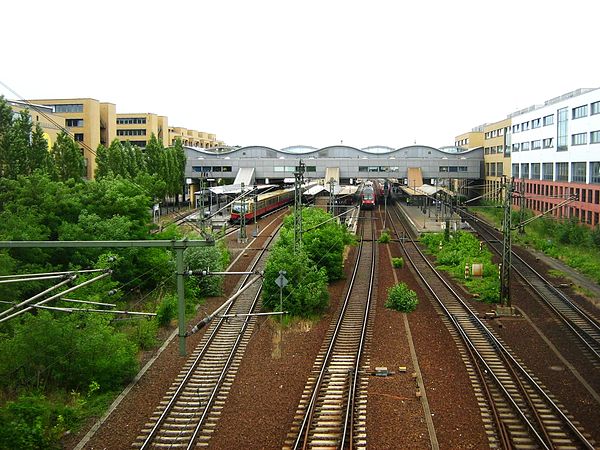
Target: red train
column 369, row 194
column 265, row 203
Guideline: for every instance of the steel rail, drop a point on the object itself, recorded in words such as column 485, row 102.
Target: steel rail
column 497, row 344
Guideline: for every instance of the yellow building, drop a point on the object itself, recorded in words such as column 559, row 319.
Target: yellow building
column 470, row 140
column 92, row 123
column 193, row 138
column 137, row 128
column 89, row 122
column 496, row 156
column 50, row 123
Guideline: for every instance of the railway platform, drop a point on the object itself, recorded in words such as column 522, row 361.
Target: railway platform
column 428, row 220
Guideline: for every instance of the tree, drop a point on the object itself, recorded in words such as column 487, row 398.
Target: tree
column 67, row 158
column 154, row 154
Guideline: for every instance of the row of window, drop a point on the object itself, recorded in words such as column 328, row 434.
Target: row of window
column 582, row 111
column 211, row 169
column 494, row 149
column 462, row 142
column 591, row 196
column 74, row 122
column 494, row 169
column 534, row 123
column 576, row 139
column 558, row 171
column 495, row 133
column 68, row 108
column 136, row 132
column 131, row 120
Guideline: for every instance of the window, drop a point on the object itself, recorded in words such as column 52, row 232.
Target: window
column 499, row 169
column 515, row 147
column 547, row 171
column 131, row 120
column 138, row 143
column 562, row 129
column 562, row 171
column 74, row 122
column 525, row 146
column 78, row 137
column 535, row 171
column 580, row 111
column 579, row 139
column 594, row 137
column 516, row 128
column 68, row 108
column 548, row 142
column 578, row 172
column 443, row 169
column 524, row 170
column 536, row 123
column 525, row 126
column 595, row 173
column 536, row 145
column 595, row 107
column 138, row 132
column 515, row 170
column 548, row 120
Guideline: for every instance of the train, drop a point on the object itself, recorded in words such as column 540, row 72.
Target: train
column 368, row 195
column 264, row 204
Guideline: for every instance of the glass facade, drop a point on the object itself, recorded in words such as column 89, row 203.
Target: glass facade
column 548, row 171
column 562, row 132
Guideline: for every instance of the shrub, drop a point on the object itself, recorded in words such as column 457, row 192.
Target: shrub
column 167, row 310
column 401, row 298
column 143, row 333
column 385, row 237
column 398, row 263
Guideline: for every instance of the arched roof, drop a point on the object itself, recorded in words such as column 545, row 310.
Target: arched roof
column 334, row 151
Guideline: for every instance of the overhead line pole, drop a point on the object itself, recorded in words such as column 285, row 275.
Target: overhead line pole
column 178, row 246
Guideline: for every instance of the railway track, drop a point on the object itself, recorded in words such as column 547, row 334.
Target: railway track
column 188, row 414
column 518, row 411
column 332, row 412
column 577, row 323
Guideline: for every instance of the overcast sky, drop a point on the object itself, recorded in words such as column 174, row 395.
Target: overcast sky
column 282, row 73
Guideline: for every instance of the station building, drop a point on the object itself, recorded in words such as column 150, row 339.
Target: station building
column 265, row 165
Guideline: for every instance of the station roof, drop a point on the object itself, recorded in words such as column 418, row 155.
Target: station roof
column 426, row 189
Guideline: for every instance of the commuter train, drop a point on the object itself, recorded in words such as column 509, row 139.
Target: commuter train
column 369, row 193
column 265, row 203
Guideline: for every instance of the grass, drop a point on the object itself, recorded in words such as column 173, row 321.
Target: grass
column 575, row 245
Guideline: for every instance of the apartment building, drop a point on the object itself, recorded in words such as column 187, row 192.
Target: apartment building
column 471, row 139
column 555, row 154
column 89, row 122
column 193, row 138
column 496, row 157
column 43, row 116
column 139, row 127
column 92, row 123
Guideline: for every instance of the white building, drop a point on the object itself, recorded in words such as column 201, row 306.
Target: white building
column 555, row 152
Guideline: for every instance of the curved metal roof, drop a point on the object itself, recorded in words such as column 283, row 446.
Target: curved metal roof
column 376, row 150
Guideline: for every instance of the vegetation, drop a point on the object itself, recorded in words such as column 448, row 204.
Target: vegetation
column 398, row 263
column 56, row 369
column 575, row 244
column 401, row 298
column 319, row 260
column 463, row 249
column 384, row 238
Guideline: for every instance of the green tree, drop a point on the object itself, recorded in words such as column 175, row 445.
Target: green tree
column 67, row 158
column 154, row 153
column 306, row 292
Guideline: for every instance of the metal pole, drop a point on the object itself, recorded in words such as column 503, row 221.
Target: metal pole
column 180, row 299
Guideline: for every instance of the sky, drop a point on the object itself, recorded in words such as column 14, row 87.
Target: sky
column 317, row 73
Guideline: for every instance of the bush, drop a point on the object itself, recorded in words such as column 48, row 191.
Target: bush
column 398, row 263
column 385, row 237
column 401, row 298
column 143, row 333
column 167, row 310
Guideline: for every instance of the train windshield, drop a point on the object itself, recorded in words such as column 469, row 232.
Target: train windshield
column 239, row 207
column 368, row 195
